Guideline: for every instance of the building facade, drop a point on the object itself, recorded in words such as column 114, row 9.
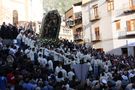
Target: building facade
column 111, row 25
column 21, row 11
column 65, row 32
column 73, row 18
column 86, row 21
column 13, row 11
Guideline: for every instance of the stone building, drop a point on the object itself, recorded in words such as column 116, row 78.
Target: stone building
column 21, row 12
column 109, row 25
column 73, row 18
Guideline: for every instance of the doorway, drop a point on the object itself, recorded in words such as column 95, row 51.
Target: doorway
column 124, row 51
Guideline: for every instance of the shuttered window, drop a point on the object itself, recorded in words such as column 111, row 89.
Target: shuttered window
column 131, row 25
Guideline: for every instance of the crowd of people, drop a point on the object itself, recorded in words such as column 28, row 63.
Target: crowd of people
column 8, row 31
column 61, row 65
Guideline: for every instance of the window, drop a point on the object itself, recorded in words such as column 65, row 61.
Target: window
column 66, row 31
column 131, row 25
column 95, row 9
column 78, row 15
column 132, row 4
column 124, row 51
column 15, row 17
column 117, row 23
column 97, row 33
column 110, row 5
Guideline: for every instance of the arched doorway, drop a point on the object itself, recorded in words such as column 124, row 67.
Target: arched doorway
column 15, row 17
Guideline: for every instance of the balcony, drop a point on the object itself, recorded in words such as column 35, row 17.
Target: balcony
column 94, row 18
column 130, row 33
column 129, row 10
column 96, row 39
column 78, row 21
column 126, row 34
column 78, row 15
column 91, row 1
column 122, row 34
column 125, row 10
column 78, row 37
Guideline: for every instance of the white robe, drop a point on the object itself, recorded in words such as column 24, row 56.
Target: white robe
column 50, row 63
column 19, row 36
column 56, row 56
column 46, row 52
column 26, row 41
column 42, row 61
column 40, row 52
column 90, row 67
column 23, row 38
column 106, row 67
column 27, row 51
column 87, row 57
column 64, row 72
column 79, row 55
column 29, row 42
column 31, row 54
column 57, row 70
column 66, row 61
column 70, row 75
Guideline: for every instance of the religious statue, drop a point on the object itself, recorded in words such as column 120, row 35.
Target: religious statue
column 51, row 25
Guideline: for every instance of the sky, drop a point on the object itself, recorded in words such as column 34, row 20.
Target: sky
column 61, row 5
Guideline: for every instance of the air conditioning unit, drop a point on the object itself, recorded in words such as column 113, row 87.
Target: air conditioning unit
column 70, row 22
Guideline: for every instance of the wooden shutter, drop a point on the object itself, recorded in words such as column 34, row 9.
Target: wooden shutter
column 128, row 26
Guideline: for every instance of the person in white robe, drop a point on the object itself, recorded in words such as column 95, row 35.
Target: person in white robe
column 23, row 38
column 67, row 53
column 90, row 67
column 87, row 57
column 64, row 72
column 32, row 43
column 42, row 60
column 46, row 52
column 106, row 67
column 31, row 54
column 29, row 41
column 50, row 63
column 40, row 52
column 70, row 75
column 56, row 56
column 19, row 38
column 60, row 77
column 79, row 55
column 26, row 41
column 27, row 51
column 58, row 69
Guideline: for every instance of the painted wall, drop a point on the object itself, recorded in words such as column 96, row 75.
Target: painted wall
column 65, row 32
column 27, row 10
column 85, row 1
column 86, row 23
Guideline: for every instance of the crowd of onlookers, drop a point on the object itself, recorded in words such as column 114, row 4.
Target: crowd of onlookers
column 61, row 65
column 8, row 31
